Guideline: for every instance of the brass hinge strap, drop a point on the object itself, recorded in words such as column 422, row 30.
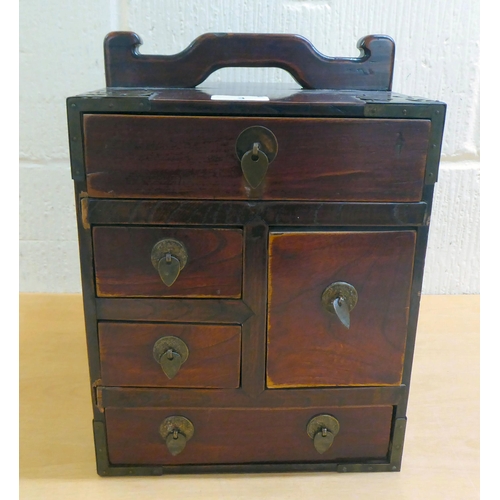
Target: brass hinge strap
column 97, row 388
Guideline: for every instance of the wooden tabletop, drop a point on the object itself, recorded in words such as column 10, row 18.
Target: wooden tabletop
column 440, row 460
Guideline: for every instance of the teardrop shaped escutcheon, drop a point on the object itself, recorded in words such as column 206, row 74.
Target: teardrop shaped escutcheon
column 323, row 440
column 176, row 430
column 322, row 429
column 254, row 167
column 169, row 257
column 170, row 363
column 170, row 352
column 176, row 443
column 169, row 268
column 340, row 298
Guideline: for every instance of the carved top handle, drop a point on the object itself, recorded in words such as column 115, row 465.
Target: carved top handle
column 125, row 67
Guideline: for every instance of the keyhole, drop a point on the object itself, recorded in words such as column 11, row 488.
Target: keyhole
column 341, row 301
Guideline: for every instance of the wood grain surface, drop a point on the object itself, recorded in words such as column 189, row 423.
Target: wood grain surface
column 219, row 311
column 253, row 364
column 126, row 67
column 123, row 265
column 155, row 397
column 243, row 436
column 307, row 345
column 140, row 156
column 127, row 355
column 234, row 213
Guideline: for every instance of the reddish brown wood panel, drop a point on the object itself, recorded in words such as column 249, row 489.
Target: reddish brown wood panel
column 127, row 355
column 326, row 159
column 123, row 267
column 243, row 436
column 307, row 345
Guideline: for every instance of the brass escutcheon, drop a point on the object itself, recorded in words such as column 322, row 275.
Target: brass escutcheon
column 170, row 352
column 267, row 141
column 256, row 148
column 169, row 257
column 176, row 431
column 322, row 429
column 340, row 298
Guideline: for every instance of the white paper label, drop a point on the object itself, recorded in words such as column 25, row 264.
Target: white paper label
column 239, row 98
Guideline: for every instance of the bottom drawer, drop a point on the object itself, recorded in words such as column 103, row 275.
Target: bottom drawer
column 238, row 436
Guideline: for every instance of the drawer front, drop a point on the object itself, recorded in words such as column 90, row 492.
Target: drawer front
column 333, row 159
column 308, row 345
column 232, row 436
column 203, row 356
column 124, row 267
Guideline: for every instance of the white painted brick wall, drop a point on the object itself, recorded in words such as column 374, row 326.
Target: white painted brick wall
column 437, row 56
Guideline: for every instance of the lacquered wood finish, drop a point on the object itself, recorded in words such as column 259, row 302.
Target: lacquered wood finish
column 225, row 311
column 347, row 198
column 236, row 436
column 307, row 345
column 253, row 369
column 129, row 156
column 123, row 268
column 231, row 213
column 126, row 351
column 125, row 67
column 135, row 397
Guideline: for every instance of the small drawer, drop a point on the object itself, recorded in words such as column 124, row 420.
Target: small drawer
column 313, row 342
column 202, row 356
column 329, row 159
column 232, row 436
column 127, row 262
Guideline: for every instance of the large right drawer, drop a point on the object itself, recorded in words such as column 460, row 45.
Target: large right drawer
column 307, row 343
column 330, row 159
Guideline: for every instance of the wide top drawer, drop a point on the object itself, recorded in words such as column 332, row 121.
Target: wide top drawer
column 329, row 159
